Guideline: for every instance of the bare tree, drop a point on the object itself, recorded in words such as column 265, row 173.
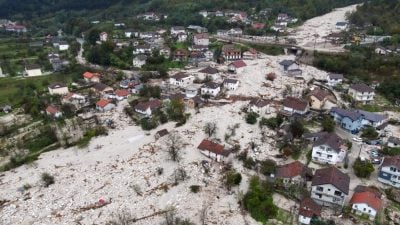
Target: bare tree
column 210, row 129
column 180, row 175
column 174, row 145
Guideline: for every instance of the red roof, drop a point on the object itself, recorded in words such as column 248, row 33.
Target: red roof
column 122, row 92
column 239, row 64
column 309, row 208
column 291, row 170
column 52, row 109
column 90, row 75
column 258, row 25
column 102, row 103
column 212, row 147
column 368, row 198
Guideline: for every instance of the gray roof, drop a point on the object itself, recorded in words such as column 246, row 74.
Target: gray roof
column 314, row 135
column 230, row 81
column 211, row 85
column 335, row 76
column 362, row 88
column 334, row 176
column 141, row 57
column 209, row 70
column 56, row 85
column 287, row 62
column 374, row 117
column 394, row 140
column 330, row 139
column 346, row 113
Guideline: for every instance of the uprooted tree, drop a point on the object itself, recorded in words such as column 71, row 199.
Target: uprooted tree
column 174, row 145
column 210, row 129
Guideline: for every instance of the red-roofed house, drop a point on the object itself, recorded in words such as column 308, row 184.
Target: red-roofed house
column 236, row 65
column 295, row 172
column 367, row 203
column 147, row 108
column 91, row 77
column 250, row 54
column 308, row 210
column 53, row 111
column 258, row 26
column 104, row 105
column 213, row 150
column 230, row 52
column 122, row 94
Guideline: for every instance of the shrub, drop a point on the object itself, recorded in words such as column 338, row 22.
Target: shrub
column 195, row 188
column 251, row 118
column 328, row 124
column 271, row 123
column 268, row 167
column 47, row 179
column 391, row 151
column 232, row 178
column 148, row 124
column 363, row 169
column 369, row 133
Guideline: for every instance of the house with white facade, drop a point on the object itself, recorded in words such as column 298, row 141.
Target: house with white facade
column 201, row 39
column 308, row 210
column 372, row 119
column 330, row 186
column 139, row 60
column 181, row 37
column 362, row 93
column 231, row 84
column 63, row 46
column 260, row 106
column 210, row 88
column 389, row 171
column 289, row 65
column 342, row 26
column 104, row 105
column 230, row 52
column 142, row 49
column 53, row 111
column 292, row 105
column 33, row 70
column 58, row 89
column 328, row 149
column 393, row 142
column 293, row 173
column 181, row 79
column 177, row 30
column 366, row 201
column 147, row 108
column 334, row 79
column 103, row 36
column 213, row 150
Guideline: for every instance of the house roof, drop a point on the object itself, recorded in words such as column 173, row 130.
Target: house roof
column 333, row 176
column 260, row 102
column 362, row 188
column 394, row 140
column 180, row 76
column 392, row 161
column 330, row 139
column 141, row 57
column 368, row 198
column 309, row 208
column 52, row 109
column 230, row 81
column 201, row 36
column 238, row 64
column 211, row 85
column 100, row 86
column 32, row 67
column 361, row 88
column 122, row 92
column 90, row 75
column 209, row 70
column 56, row 85
column 293, row 169
column 374, row 117
column 162, row 132
column 287, row 62
column 346, row 113
column 213, row 147
column 295, row 103
column 102, row 103
column 152, row 104
column 178, row 28
column 335, row 76
column 319, row 94
column 315, row 135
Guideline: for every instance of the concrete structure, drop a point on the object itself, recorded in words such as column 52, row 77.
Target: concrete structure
column 362, row 93
column 328, row 149
column 181, row 79
column 211, row 88
column 389, row 171
column 58, row 89
column 33, row 70
column 213, row 150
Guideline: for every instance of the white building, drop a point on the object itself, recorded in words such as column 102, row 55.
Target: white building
column 293, row 105
column 328, row 149
column 330, row 186
column 201, row 39
column 181, row 79
column 342, row 25
column 191, row 91
column 177, row 30
column 288, row 65
column 33, row 70
column 366, row 203
column 231, row 84
column 389, row 172
column 147, row 108
column 211, row 88
column 362, row 93
column 260, row 106
column 103, row 36
column 63, row 46
column 393, row 142
column 308, row 209
column 334, row 79
column 182, row 37
column 58, row 89
column 213, row 150
column 139, row 61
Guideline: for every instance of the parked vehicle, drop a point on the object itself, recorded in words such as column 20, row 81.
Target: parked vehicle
column 374, row 142
column 376, row 161
column 357, row 139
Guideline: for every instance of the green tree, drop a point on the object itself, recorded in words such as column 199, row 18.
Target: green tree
column 232, row 178
column 176, row 110
column 369, row 133
column 328, row 124
column 251, row 118
column 363, row 169
column 297, row 128
column 268, row 167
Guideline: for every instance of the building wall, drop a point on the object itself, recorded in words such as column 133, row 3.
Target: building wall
column 213, row 92
column 324, row 154
column 35, row 72
column 59, row 91
column 361, row 96
column 304, row 220
column 362, row 208
column 327, row 197
column 389, row 177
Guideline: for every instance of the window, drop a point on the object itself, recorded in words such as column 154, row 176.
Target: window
column 329, row 189
column 320, row 189
column 364, row 209
column 338, row 193
column 393, row 169
column 329, row 156
column 319, row 195
column 369, row 211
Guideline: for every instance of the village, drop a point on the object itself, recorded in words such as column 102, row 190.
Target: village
column 138, row 145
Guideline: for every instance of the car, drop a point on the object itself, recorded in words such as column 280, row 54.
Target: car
column 374, row 153
column 376, row 161
column 357, row 139
column 374, row 142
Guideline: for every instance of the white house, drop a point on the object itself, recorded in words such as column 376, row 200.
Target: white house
column 334, row 79
column 53, row 111
column 288, row 65
column 191, row 91
column 201, row 39
column 177, row 29
column 366, row 202
column 63, row 46
column 231, row 84
column 308, row 209
column 213, row 150
column 260, row 106
column 142, row 49
column 362, row 93
column 58, row 89
column 293, row 105
column 139, row 61
column 103, row 36
column 33, row 70
column 210, row 88
column 181, row 37
column 104, row 105
column 330, row 187
column 147, row 108
column 389, row 172
column 328, row 149
column 181, row 79
column 342, row 25
column 131, row 33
